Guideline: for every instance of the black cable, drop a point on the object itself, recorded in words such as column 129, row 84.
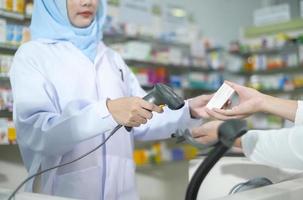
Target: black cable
column 200, row 174
column 64, row 164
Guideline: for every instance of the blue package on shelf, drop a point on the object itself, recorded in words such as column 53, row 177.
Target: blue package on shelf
column 18, row 34
column 217, row 82
column 177, row 154
column 282, row 82
column 176, row 81
column 10, row 32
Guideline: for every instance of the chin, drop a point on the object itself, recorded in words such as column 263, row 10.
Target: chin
column 83, row 24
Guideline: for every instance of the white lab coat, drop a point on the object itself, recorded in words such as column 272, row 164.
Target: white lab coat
column 60, row 113
column 280, row 148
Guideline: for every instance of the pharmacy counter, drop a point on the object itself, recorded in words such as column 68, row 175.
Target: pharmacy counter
column 290, row 190
column 234, row 169
column 4, row 193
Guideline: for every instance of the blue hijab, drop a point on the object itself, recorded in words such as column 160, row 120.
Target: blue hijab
column 50, row 21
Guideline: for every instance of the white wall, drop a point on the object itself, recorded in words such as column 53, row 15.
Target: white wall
column 220, row 19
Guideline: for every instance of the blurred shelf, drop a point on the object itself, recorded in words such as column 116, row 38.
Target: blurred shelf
column 214, row 49
column 10, row 145
column 5, row 82
column 289, row 70
column 121, row 38
column 13, row 15
column 270, row 29
column 200, row 90
column 163, row 165
column 170, row 142
column 8, row 48
column 28, row 17
column 278, row 91
column 144, row 63
column 6, row 114
column 4, row 78
column 269, row 51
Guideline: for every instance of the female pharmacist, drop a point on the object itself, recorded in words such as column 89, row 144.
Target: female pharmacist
column 279, row 148
column 70, row 91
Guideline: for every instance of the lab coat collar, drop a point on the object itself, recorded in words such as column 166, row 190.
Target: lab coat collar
column 101, row 49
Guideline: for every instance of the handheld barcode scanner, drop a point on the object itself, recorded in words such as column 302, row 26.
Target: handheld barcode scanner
column 162, row 95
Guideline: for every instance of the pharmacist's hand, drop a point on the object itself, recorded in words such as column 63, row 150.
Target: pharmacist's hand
column 132, row 111
column 197, row 106
column 250, row 101
column 207, row 133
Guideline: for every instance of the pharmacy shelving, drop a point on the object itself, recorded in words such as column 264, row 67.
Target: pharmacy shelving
column 4, row 80
column 6, row 114
column 291, row 92
column 267, row 51
column 9, row 145
column 8, row 48
column 169, row 66
column 148, row 168
column 121, row 38
column 13, row 15
column 281, row 70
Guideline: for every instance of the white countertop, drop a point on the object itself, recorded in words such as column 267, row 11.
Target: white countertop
column 4, row 194
column 288, row 190
column 230, row 171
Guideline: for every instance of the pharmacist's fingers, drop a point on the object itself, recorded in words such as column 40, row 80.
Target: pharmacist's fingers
column 149, row 106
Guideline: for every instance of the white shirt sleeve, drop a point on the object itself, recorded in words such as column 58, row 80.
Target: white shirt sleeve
column 163, row 125
column 41, row 124
column 299, row 114
column 280, row 148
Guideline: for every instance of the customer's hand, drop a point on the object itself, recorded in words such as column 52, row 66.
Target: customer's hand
column 197, row 106
column 250, row 101
column 132, row 111
column 207, row 133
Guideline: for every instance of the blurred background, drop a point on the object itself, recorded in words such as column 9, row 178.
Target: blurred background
column 191, row 45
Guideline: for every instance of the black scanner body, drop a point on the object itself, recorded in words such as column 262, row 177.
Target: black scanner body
column 160, row 95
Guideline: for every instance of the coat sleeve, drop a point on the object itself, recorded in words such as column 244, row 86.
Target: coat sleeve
column 299, row 114
column 280, row 148
column 41, row 124
column 161, row 126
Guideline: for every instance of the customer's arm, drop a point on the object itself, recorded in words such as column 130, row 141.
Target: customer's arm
column 252, row 101
column 279, row 148
column 281, row 107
